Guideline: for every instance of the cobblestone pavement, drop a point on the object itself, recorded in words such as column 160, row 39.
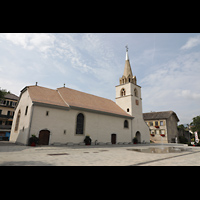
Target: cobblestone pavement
column 108, row 155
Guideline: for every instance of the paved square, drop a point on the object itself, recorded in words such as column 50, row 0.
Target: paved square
column 108, row 155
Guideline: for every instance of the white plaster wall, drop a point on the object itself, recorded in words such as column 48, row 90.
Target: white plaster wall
column 128, row 101
column 98, row 126
column 21, row 135
column 138, row 123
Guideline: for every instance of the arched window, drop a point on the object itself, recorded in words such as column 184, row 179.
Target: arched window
column 123, row 92
column 17, row 120
column 136, row 92
column 80, row 123
column 125, row 124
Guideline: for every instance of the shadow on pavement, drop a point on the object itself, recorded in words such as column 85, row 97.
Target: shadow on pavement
column 6, row 146
column 25, row 163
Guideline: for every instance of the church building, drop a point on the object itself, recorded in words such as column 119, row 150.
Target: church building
column 66, row 116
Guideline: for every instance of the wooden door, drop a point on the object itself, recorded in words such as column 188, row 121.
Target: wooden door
column 113, row 138
column 44, row 137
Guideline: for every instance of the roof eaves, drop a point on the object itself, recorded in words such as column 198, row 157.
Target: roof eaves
column 50, row 105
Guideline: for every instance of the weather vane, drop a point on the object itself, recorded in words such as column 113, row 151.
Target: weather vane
column 126, row 47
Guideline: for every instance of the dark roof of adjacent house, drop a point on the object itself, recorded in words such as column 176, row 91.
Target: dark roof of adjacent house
column 66, row 97
column 159, row 115
column 11, row 96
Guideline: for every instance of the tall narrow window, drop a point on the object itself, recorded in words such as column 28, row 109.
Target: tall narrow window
column 26, row 110
column 125, row 124
column 136, row 92
column 80, row 124
column 17, row 120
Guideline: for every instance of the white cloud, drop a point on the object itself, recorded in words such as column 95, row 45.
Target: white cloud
column 189, row 95
column 174, row 86
column 192, row 42
column 30, row 41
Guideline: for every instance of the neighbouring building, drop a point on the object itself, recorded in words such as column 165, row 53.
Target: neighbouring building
column 66, row 116
column 7, row 106
column 184, row 134
column 162, row 126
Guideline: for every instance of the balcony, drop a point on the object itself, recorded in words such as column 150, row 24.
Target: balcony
column 6, row 116
column 5, row 126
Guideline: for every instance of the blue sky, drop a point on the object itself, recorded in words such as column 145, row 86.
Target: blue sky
column 167, row 65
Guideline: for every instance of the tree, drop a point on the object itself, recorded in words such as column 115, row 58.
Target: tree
column 3, row 92
column 181, row 126
column 195, row 125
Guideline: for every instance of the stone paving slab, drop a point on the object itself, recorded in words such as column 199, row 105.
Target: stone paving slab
column 109, row 155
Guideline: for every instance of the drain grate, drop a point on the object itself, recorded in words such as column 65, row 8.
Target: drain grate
column 57, row 154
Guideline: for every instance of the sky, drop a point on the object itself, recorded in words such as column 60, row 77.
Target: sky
column 167, row 65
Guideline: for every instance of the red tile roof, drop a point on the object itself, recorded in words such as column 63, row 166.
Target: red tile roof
column 72, row 98
column 45, row 95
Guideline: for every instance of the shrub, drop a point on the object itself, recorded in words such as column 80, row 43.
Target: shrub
column 87, row 140
column 135, row 140
column 34, row 139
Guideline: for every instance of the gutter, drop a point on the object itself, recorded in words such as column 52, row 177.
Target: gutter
column 50, row 105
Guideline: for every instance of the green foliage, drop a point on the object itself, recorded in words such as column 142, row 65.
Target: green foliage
column 195, row 125
column 181, row 127
column 34, row 139
column 135, row 140
column 3, row 93
column 87, row 140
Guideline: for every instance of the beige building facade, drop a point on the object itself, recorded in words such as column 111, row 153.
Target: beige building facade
column 162, row 126
column 7, row 107
column 66, row 116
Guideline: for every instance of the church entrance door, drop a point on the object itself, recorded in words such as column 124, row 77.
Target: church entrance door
column 44, row 137
column 138, row 136
column 113, row 138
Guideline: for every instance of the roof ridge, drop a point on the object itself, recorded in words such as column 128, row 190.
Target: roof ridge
column 62, row 98
column 41, row 87
column 159, row 111
column 85, row 93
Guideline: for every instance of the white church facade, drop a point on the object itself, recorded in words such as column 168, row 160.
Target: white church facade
column 66, row 116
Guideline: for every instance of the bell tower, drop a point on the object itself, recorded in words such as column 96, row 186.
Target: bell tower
column 128, row 93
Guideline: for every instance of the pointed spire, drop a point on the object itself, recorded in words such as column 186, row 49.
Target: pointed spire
column 128, row 75
column 127, row 68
